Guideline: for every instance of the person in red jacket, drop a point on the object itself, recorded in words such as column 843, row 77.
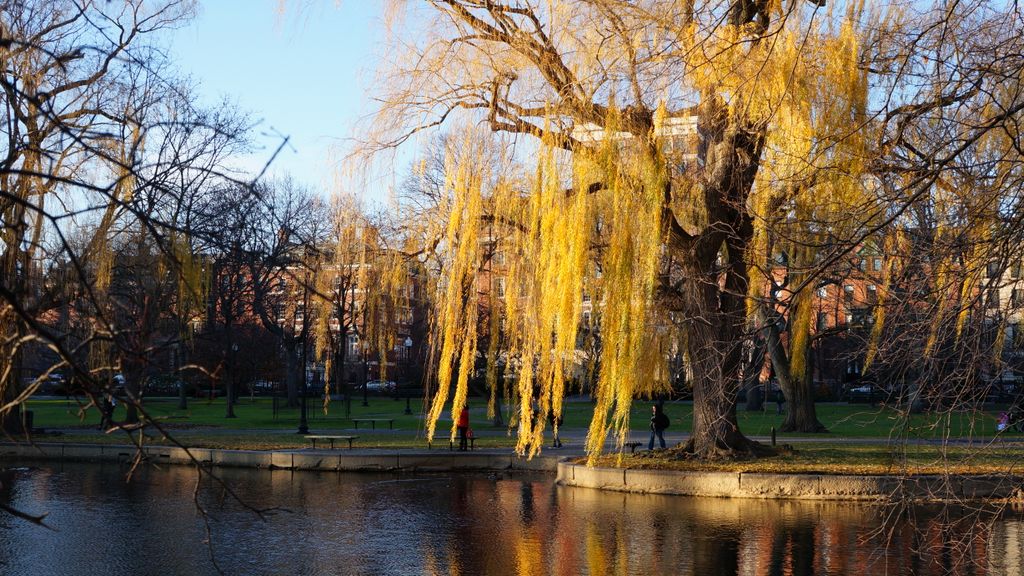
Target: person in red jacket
column 463, row 427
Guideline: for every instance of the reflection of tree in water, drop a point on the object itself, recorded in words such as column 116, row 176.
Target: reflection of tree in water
column 793, row 549
column 526, row 509
column 475, row 524
column 661, row 535
column 716, row 553
column 947, row 540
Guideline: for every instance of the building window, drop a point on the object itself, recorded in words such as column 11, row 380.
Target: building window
column 992, row 270
column 499, row 287
column 822, row 320
column 499, row 257
column 1017, row 297
column 848, row 292
column 992, row 298
column 586, row 296
column 822, row 292
column 848, row 318
column 876, row 264
column 858, row 318
column 864, row 264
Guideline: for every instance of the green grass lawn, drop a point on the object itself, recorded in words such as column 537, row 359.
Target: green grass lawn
column 258, row 427
column 859, row 421
column 258, row 413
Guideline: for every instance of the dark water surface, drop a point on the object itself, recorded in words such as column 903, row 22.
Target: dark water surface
column 463, row 524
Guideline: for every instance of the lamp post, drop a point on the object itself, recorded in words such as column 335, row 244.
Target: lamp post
column 408, row 351
column 303, row 425
column 366, row 374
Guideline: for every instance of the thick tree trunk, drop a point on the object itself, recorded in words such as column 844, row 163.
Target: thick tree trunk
column 229, row 382
column 801, row 415
column 341, row 375
column 133, row 373
column 229, row 399
column 714, row 269
column 11, row 421
column 752, row 384
column 293, row 371
column 182, row 396
column 714, row 343
column 716, row 432
column 182, row 393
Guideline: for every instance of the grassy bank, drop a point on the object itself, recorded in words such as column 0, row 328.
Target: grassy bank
column 260, row 413
column 260, row 425
column 863, row 459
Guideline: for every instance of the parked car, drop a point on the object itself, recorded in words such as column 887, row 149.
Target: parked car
column 380, row 386
column 861, row 394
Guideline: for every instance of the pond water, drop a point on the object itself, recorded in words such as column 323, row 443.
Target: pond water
column 463, row 524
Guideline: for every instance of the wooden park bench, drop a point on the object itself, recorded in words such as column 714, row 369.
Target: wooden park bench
column 373, row 422
column 314, row 437
column 470, row 437
column 633, row 446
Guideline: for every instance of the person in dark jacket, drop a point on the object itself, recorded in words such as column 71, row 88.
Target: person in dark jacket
column 659, row 422
column 556, row 423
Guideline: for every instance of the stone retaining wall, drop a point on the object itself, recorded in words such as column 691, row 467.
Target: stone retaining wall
column 326, row 460
column 790, row 486
column 706, row 484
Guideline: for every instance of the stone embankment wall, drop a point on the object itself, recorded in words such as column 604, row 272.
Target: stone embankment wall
column 324, row 460
column 704, row 484
column 791, row 486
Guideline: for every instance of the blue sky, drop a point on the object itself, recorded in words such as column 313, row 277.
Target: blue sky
column 303, row 74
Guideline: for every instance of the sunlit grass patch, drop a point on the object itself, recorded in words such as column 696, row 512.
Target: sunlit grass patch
column 866, row 459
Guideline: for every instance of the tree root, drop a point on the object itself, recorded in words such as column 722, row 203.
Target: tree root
column 742, row 448
column 815, row 428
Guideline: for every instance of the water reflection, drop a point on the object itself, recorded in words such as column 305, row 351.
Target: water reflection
column 466, row 525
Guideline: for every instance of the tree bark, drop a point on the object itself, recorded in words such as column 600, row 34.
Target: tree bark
column 182, row 396
column 293, row 370
column 714, row 346
column 752, row 376
column 715, row 285
column 133, row 374
column 229, row 381
column 801, row 415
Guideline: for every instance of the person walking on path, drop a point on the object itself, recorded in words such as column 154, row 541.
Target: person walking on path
column 556, row 423
column 107, row 406
column 463, row 427
column 659, row 422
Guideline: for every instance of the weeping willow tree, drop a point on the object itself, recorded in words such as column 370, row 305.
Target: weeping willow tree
column 364, row 290
column 80, row 94
column 339, row 288
column 651, row 123
column 674, row 147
